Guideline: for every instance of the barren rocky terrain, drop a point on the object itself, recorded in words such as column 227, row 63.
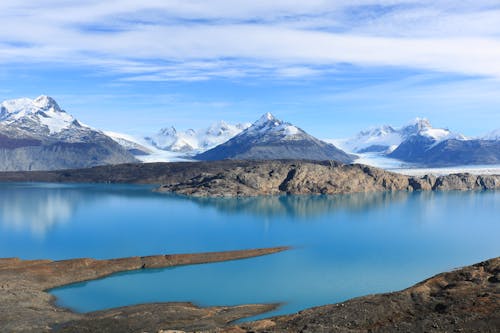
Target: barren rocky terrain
column 26, row 306
column 251, row 178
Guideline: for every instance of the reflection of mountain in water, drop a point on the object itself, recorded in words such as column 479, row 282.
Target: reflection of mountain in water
column 302, row 206
column 37, row 208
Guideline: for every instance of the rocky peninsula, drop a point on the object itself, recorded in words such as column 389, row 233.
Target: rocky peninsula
column 231, row 178
column 26, row 306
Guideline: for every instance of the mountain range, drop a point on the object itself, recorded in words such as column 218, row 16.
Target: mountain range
column 195, row 141
column 38, row 135
column 422, row 144
column 385, row 139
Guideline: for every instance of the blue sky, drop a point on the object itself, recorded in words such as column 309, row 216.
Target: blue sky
column 331, row 67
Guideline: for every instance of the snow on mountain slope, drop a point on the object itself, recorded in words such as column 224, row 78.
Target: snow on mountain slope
column 375, row 139
column 194, row 141
column 42, row 112
column 38, row 135
column 271, row 138
column 144, row 151
column 270, row 126
column 385, row 139
column 128, row 141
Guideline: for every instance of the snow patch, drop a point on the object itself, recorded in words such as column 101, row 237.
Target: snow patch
column 42, row 110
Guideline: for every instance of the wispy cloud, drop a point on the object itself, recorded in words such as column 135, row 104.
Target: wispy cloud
column 197, row 40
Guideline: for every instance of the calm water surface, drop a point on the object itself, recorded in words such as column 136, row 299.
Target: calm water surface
column 345, row 246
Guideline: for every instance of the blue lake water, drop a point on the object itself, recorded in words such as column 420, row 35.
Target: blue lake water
column 344, row 246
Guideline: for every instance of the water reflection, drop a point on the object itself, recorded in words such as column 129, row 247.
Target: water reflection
column 304, row 206
column 36, row 211
column 38, row 208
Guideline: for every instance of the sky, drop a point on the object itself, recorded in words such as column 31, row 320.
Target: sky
column 330, row 67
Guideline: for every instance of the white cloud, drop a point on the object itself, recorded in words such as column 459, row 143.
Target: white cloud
column 196, row 40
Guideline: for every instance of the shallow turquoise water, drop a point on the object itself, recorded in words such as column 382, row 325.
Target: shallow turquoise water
column 344, row 246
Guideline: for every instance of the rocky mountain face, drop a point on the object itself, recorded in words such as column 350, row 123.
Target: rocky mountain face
column 271, row 138
column 38, row 135
column 130, row 143
column 448, row 152
column 195, row 141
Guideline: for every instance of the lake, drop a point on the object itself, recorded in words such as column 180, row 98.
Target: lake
column 344, row 246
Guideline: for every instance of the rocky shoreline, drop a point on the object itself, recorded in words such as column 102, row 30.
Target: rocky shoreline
column 26, row 306
column 307, row 177
column 252, row 178
column 463, row 300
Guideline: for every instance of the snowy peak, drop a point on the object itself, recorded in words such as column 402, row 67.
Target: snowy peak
column 267, row 119
column 46, row 103
column 387, row 138
column 194, row 141
column 419, row 123
column 271, row 126
column 43, row 111
column 376, row 132
column 221, row 128
column 423, row 127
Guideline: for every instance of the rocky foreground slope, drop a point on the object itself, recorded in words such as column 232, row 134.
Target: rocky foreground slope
column 26, row 306
column 465, row 300
column 252, row 178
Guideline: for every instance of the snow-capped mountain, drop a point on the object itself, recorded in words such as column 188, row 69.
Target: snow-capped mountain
column 440, row 147
column 194, row 141
column 41, row 116
column 38, row 135
column 271, row 138
column 385, row 139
